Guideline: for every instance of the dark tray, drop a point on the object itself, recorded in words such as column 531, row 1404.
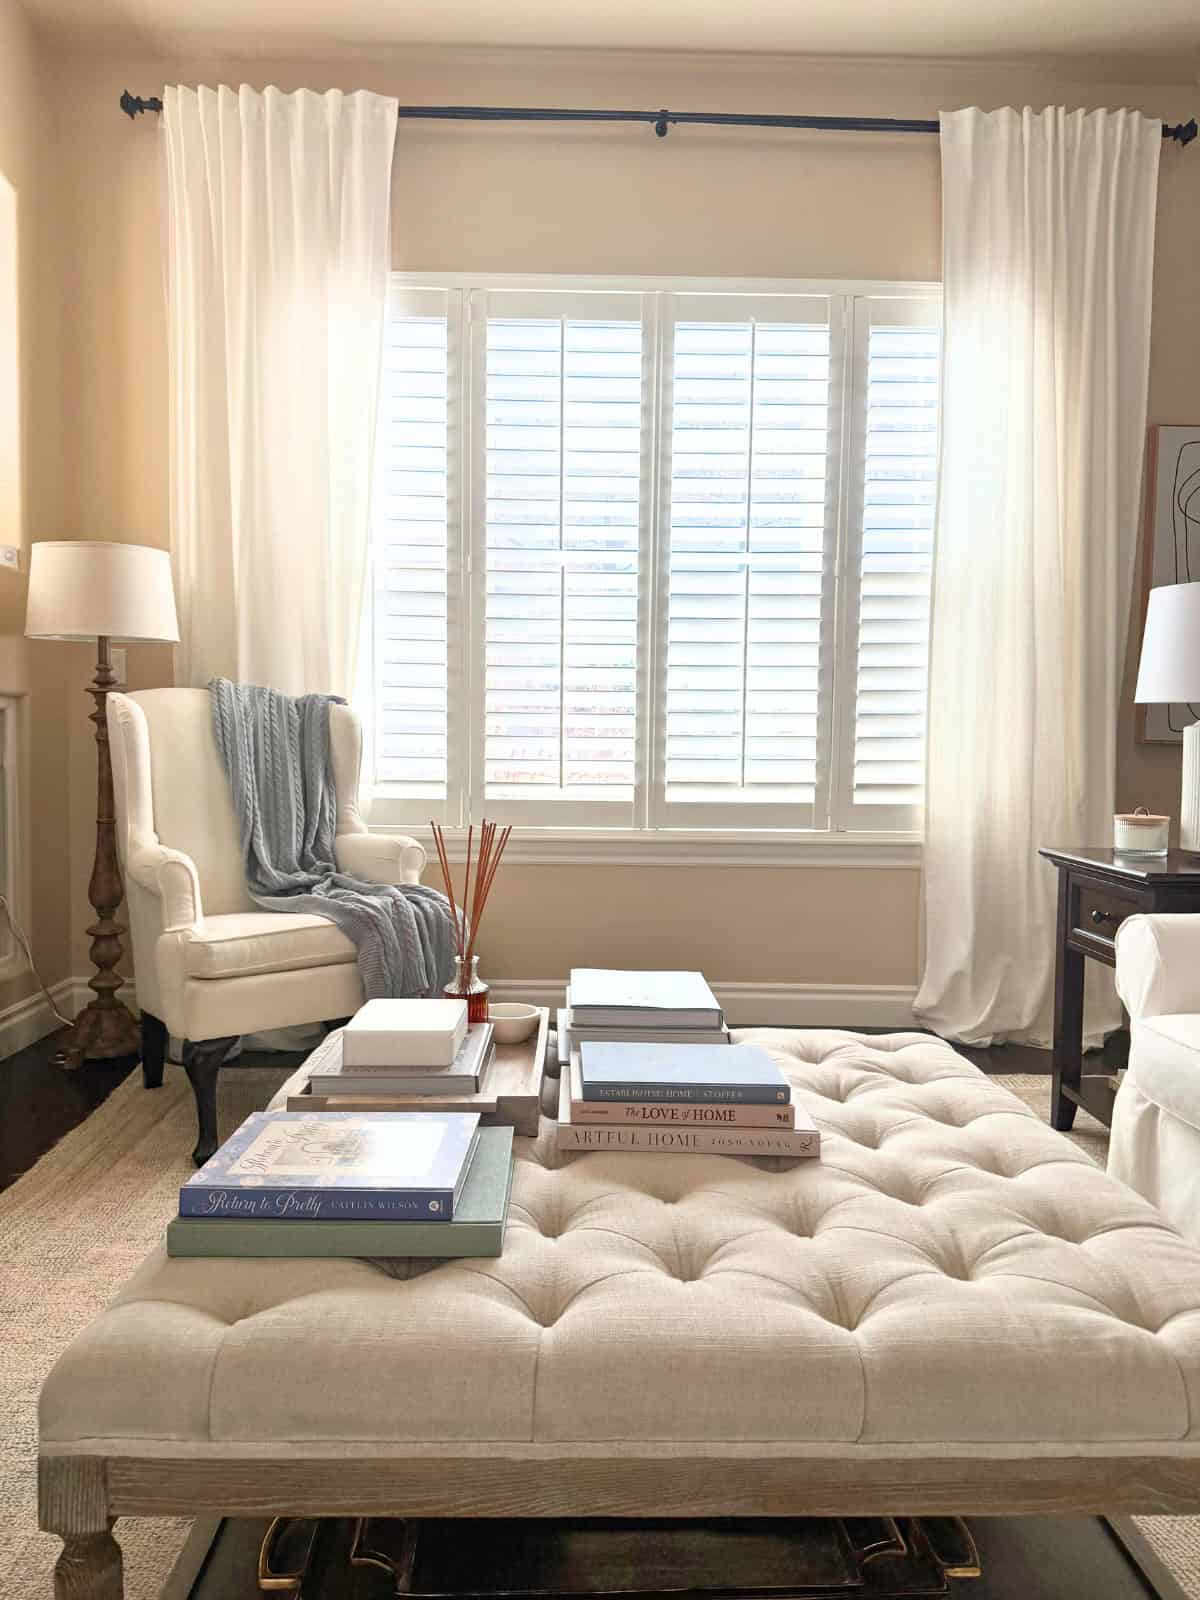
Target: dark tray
column 1048, row 1558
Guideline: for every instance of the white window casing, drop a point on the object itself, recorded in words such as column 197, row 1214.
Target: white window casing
column 651, row 561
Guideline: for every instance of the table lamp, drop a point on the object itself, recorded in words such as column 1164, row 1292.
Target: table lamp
column 1169, row 673
column 88, row 590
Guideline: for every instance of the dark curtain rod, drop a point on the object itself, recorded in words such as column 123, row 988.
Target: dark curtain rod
column 663, row 121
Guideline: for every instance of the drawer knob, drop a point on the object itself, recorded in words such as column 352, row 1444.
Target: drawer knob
column 1101, row 917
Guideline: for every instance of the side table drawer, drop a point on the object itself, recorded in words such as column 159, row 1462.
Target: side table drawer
column 1098, row 912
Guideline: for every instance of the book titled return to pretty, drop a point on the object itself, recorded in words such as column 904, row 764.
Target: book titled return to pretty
column 373, row 1165
column 739, row 1074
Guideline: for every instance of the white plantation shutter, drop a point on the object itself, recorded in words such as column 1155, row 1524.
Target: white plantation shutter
column 559, row 505
column 748, row 532
column 653, row 557
column 894, row 434
column 415, row 665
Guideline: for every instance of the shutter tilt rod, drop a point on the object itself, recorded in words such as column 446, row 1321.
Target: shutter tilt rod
column 662, row 121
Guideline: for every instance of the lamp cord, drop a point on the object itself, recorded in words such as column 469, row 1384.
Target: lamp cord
column 22, row 940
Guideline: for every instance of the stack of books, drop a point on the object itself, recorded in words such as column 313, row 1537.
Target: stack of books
column 397, row 1048
column 608, row 1006
column 701, row 1099
column 345, row 1183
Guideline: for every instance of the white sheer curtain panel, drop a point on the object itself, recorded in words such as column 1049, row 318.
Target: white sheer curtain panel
column 278, row 256
column 1048, row 244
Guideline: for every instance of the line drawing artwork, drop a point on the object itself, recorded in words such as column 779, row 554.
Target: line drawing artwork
column 1172, row 547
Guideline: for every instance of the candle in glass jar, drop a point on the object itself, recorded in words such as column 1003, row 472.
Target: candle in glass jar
column 1140, row 833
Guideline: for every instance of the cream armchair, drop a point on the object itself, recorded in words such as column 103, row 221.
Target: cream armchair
column 208, row 964
column 1154, row 1145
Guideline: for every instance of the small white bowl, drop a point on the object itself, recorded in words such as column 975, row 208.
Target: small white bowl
column 513, row 1022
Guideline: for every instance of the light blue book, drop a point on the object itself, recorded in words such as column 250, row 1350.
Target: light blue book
column 330, row 1165
column 736, row 1074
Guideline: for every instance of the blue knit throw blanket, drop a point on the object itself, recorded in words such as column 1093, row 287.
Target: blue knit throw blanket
column 275, row 750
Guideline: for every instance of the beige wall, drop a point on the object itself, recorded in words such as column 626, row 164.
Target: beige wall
column 33, row 670
column 594, row 200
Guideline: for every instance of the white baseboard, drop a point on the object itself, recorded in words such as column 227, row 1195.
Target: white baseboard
column 31, row 1019
column 783, row 1005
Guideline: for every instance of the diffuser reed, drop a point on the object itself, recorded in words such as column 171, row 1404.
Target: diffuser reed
column 467, row 916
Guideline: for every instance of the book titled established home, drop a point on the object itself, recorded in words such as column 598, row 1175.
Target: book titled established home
column 464, row 1075
column 476, row 1228
column 325, row 1165
column 673, row 1113
column 804, row 1140
column 604, row 997
column 740, row 1074
column 405, row 1033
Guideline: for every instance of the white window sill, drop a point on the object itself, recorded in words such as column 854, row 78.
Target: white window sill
column 601, row 847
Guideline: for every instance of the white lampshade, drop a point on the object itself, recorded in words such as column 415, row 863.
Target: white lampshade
column 1170, row 667
column 87, row 588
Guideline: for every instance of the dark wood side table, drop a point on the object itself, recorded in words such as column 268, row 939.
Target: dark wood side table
column 1097, row 890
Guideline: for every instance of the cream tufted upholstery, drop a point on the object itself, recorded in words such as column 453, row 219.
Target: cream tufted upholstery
column 952, row 1277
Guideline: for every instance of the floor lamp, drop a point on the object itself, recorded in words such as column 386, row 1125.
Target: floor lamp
column 94, row 590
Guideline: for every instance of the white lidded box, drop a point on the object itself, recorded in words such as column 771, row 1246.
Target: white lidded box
column 405, row 1033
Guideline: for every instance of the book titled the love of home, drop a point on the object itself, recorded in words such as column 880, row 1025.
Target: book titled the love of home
column 672, row 1113
column 327, row 1165
column 738, row 1073
column 476, row 1229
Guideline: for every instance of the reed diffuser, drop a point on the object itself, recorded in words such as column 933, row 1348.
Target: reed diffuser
column 466, row 983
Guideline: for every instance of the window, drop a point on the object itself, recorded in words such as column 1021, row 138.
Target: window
column 653, row 558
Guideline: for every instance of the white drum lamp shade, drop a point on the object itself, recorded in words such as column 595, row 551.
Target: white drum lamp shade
column 1169, row 673
column 91, row 589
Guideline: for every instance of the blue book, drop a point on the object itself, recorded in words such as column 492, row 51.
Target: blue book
column 737, row 1074
column 374, row 1166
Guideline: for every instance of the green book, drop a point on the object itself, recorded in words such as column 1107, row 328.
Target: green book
column 477, row 1228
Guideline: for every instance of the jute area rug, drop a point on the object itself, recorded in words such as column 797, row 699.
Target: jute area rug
column 75, row 1227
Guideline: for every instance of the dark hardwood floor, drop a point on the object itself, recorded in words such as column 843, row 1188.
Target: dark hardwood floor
column 40, row 1101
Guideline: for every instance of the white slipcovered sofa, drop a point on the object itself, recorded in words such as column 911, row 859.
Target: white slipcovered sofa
column 1155, row 1143
column 208, row 963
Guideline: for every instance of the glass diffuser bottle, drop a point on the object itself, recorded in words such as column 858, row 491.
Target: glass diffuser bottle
column 466, row 984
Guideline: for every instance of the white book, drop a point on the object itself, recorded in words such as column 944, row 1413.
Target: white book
column 604, row 997
column 463, row 1076
column 405, row 1033
column 571, row 1035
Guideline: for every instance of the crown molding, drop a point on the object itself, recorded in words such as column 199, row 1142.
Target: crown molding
column 212, row 50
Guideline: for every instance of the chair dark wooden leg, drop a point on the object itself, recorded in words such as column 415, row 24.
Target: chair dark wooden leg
column 154, row 1051
column 202, row 1060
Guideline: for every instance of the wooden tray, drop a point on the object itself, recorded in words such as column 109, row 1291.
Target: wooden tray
column 511, row 1093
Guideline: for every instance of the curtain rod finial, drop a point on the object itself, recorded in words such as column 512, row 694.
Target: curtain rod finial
column 134, row 104
column 1182, row 132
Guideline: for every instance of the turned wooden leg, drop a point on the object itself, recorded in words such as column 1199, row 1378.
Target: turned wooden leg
column 73, row 1503
column 154, row 1051
column 202, row 1060
column 89, row 1568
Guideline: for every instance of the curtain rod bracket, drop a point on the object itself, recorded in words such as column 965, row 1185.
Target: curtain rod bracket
column 662, row 127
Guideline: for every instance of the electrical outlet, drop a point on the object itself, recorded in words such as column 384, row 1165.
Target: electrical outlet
column 10, row 556
column 117, row 654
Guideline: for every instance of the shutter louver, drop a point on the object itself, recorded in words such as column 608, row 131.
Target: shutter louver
column 748, row 493
column 410, row 555
column 899, row 492
column 562, row 531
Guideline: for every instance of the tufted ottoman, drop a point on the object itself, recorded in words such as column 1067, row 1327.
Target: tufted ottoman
column 952, row 1311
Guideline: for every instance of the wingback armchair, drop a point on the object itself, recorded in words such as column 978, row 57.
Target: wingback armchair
column 208, row 964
